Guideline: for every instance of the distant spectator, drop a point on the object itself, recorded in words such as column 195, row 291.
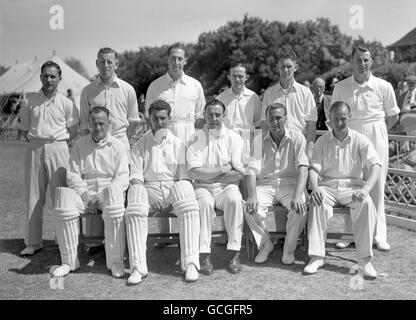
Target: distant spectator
column 323, row 102
column 407, row 98
column 306, row 83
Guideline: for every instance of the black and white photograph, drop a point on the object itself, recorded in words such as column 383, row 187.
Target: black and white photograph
column 207, row 155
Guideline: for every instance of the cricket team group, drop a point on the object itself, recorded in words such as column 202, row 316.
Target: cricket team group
column 236, row 153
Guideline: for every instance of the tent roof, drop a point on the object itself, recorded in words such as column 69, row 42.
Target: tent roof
column 24, row 77
column 408, row 40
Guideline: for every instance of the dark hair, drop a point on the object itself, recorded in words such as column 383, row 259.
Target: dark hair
column 339, row 105
column 159, row 105
column 177, row 45
column 107, row 50
column 99, row 109
column 276, row 105
column 286, row 54
column 49, row 64
column 361, row 49
column 214, row 102
column 237, row 65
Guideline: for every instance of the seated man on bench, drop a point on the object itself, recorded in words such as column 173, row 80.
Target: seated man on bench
column 282, row 172
column 335, row 176
column 158, row 183
column 97, row 177
column 214, row 159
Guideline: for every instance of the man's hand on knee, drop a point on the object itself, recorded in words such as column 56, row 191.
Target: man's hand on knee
column 317, row 196
column 298, row 205
column 360, row 194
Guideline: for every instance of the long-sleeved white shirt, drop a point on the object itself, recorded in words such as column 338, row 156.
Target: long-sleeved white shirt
column 92, row 166
column 153, row 161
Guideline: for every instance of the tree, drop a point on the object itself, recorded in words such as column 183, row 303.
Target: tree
column 77, row 66
column 318, row 44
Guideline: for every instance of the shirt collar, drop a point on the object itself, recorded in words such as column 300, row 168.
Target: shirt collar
column 333, row 139
column 168, row 139
column 51, row 99
column 245, row 92
column 294, row 87
column 103, row 142
column 222, row 133
column 286, row 137
column 183, row 79
column 370, row 83
column 99, row 81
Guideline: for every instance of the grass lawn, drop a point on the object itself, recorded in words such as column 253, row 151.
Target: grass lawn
column 28, row 278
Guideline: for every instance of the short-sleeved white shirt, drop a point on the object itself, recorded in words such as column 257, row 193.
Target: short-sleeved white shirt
column 205, row 150
column 242, row 111
column 298, row 100
column 185, row 96
column 374, row 100
column 280, row 164
column 153, row 161
column 342, row 162
column 48, row 119
column 120, row 98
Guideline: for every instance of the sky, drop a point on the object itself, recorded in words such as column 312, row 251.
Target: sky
column 30, row 28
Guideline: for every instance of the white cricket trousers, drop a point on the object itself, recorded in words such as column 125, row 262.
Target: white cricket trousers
column 45, row 163
column 363, row 216
column 376, row 131
column 267, row 196
column 228, row 199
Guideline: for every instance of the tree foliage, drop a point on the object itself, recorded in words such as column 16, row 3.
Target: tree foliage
column 77, row 66
column 320, row 46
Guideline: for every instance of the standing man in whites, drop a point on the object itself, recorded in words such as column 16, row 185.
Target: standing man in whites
column 48, row 121
column 243, row 105
column 185, row 97
column 113, row 93
column 297, row 98
column 374, row 111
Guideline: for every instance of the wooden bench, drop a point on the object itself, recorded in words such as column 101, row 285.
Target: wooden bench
column 152, row 238
column 280, row 217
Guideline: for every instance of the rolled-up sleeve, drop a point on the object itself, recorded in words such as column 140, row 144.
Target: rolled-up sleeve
column 84, row 109
column 368, row 153
column 121, row 172
column 73, row 175
column 310, row 106
column 194, row 153
column 200, row 102
column 132, row 106
column 316, row 161
column 136, row 165
column 300, row 153
column 71, row 114
column 25, row 117
column 389, row 101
